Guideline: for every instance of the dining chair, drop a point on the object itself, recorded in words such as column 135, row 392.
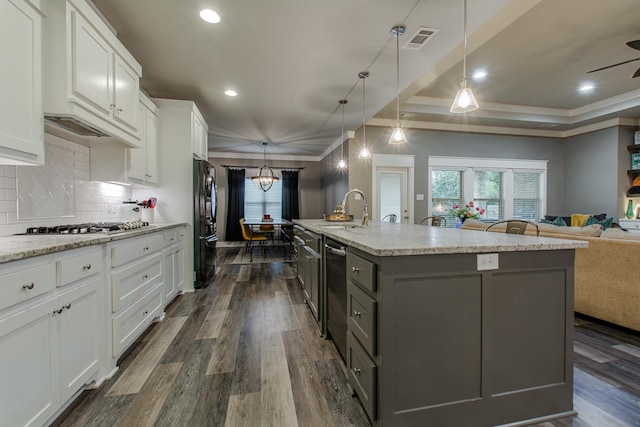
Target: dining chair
column 516, row 226
column 436, row 221
column 389, row 218
column 249, row 237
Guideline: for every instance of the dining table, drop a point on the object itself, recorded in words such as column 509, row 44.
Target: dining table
column 279, row 223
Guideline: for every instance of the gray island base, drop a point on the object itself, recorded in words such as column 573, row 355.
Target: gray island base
column 434, row 341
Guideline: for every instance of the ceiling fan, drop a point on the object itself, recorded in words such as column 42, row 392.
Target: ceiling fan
column 634, row 44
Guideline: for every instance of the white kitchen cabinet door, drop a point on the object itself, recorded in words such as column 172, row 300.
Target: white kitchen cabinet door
column 142, row 162
column 137, row 157
column 169, row 275
column 28, row 366
column 92, row 66
column 152, row 125
column 199, row 138
column 77, row 327
column 21, row 121
column 125, row 94
column 179, row 268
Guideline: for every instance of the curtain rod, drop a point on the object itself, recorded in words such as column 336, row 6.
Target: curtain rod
column 258, row 167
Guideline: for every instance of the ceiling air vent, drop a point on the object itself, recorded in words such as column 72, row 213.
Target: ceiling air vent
column 420, row 38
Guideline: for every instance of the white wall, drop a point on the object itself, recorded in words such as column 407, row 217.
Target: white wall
column 94, row 201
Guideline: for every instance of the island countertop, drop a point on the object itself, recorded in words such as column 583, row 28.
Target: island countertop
column 398, row 239
column 22, row 246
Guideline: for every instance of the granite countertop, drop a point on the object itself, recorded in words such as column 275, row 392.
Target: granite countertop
column 22, row 246
column 397, row 239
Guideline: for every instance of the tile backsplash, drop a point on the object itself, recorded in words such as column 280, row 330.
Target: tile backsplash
column 83, row 201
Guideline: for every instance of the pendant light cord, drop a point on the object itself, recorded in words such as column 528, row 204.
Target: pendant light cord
column 464, row 57
column 398, row 75
column 364, row 126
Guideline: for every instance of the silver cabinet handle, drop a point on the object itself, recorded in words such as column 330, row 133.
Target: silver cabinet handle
column 144, row 313
column 86, row 267
column 357, row 371
column 58, row 311
column 145, row 277
column 357, row 313
column 146, row 248
column 67, row 306
column 28, row 285
column 355, row 269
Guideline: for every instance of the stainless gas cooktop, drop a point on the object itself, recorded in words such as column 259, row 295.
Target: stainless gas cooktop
column 90, row 227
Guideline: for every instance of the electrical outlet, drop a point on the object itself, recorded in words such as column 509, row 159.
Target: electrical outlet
column 112, row 209
column 487, row 262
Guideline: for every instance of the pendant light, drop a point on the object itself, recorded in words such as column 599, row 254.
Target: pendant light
column 464, row 100
column 364, row 151
column 342, row 164
column 397, row 135
column 266, row 177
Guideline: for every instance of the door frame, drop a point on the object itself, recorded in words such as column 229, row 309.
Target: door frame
column 392, row 161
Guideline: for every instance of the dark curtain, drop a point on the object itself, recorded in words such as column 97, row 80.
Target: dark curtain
column 290, row 199
column 235, row 204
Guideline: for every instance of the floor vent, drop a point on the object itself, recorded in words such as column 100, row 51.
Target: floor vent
column 420, row 38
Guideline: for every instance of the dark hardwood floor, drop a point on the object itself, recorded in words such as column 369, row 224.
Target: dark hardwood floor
column 245, row 351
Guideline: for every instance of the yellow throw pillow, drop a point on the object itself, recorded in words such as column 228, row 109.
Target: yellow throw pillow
column 579, row 220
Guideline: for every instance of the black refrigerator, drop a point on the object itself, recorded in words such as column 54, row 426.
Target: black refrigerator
column 204, row 222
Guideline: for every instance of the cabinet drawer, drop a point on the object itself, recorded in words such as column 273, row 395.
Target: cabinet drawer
column 361, row 272
column 361, row 320
column 169, row 237
column 362, row 375
column 180, row 232
column 136, row 248
column 132, row 282
column 21, row 285
column 129, row 324
column 79, row 267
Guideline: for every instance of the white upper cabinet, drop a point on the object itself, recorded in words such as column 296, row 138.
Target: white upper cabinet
column 115, row 163
column 199, row 135
column 21, row 121
column 142, row 162
column 90, row 77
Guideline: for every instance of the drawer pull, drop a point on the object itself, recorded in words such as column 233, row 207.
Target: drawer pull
column 58, row 311
column 87, row 267
column 146, row 276
column 144, row 313
column 28, row 285
column 146, row 248
column 357, row 313
column 171, row 239
column 67, row 306
column 355, row 269
column 357, row 371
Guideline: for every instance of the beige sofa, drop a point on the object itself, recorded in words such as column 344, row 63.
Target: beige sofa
column 607, row 273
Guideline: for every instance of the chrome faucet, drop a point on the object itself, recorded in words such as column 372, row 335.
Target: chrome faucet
column 365, row 212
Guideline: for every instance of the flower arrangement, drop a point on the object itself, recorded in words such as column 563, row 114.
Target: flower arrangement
column 466, row 211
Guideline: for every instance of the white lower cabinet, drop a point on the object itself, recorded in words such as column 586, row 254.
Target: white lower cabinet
column 29, row 394
column 173, row 263
column 137, row 279
column 49, row 335
column 78, row 334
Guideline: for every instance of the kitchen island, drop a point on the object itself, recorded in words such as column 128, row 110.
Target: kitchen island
column 453, row 327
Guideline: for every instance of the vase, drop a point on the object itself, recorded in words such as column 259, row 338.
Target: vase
column 630, row 211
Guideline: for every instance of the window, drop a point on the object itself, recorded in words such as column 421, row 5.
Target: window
column 526, row 196
column 258, row 202
column 488, row 194
column 446, row 191
column 504, row 188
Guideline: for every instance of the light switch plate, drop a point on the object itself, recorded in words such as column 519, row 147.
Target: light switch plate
column 487, row 262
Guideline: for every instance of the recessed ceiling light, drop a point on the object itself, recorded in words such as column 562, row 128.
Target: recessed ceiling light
column 586, row 87
column 479, row 75
column 230, row 92
column 210, row 16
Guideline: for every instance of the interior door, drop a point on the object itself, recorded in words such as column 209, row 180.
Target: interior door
column 392, row 194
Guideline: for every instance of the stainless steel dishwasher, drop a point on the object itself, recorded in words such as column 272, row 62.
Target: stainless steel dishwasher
column 336, row 279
